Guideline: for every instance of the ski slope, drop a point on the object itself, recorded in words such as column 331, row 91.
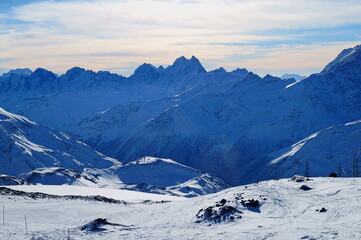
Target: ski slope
column 285, row 212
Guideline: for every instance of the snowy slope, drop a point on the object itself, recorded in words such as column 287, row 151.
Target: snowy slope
column 329, row 150
column 285, row 212
column 146, row 174
column 111, row 125
column 108, row 130
column 200, row 185
column 26, row 145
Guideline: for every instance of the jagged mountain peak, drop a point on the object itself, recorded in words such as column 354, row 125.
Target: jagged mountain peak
column 240, row 70
column 146, row 71
column 18, row 71
column 145, row 66
column 185, row 65
column 218, row 70
column 269, row 76
column 251, row 77
column 43, row 74
column 76, row 71
column 350, row 57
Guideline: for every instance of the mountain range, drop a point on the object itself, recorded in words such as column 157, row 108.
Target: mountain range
column 235, row 125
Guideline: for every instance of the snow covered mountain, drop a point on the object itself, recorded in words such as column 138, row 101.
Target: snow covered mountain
column 26, row 146
column 224, row 123
column 62, row 102
column 18, row 71
column 155, row 171
column 169, row 175
column 147, row 174
column 330, row 150
column 297, row 77
column 43, row 155
column 225, row 132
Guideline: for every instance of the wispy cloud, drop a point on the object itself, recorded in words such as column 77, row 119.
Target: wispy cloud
column 112, row 34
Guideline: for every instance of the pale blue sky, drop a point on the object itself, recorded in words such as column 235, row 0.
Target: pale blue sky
column 284, row 36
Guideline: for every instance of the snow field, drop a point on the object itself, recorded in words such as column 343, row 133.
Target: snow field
column 287, row 213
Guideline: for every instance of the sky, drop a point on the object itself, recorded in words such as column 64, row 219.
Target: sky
column 264, row 36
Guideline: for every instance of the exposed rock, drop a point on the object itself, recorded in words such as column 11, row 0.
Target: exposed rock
column 298, row 178
column 218, row 214
column 305, row 187
column 323, row 209
column 98, row 224
column 333, row 174
column 250, row 203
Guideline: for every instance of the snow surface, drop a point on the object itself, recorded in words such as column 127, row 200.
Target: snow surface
column 286, row 213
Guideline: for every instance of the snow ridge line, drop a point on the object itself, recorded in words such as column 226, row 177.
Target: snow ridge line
column 96, row 198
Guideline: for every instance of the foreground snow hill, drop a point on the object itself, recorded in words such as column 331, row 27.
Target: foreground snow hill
column 275, row 209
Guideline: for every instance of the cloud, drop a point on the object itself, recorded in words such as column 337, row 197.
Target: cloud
column 118, row 34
